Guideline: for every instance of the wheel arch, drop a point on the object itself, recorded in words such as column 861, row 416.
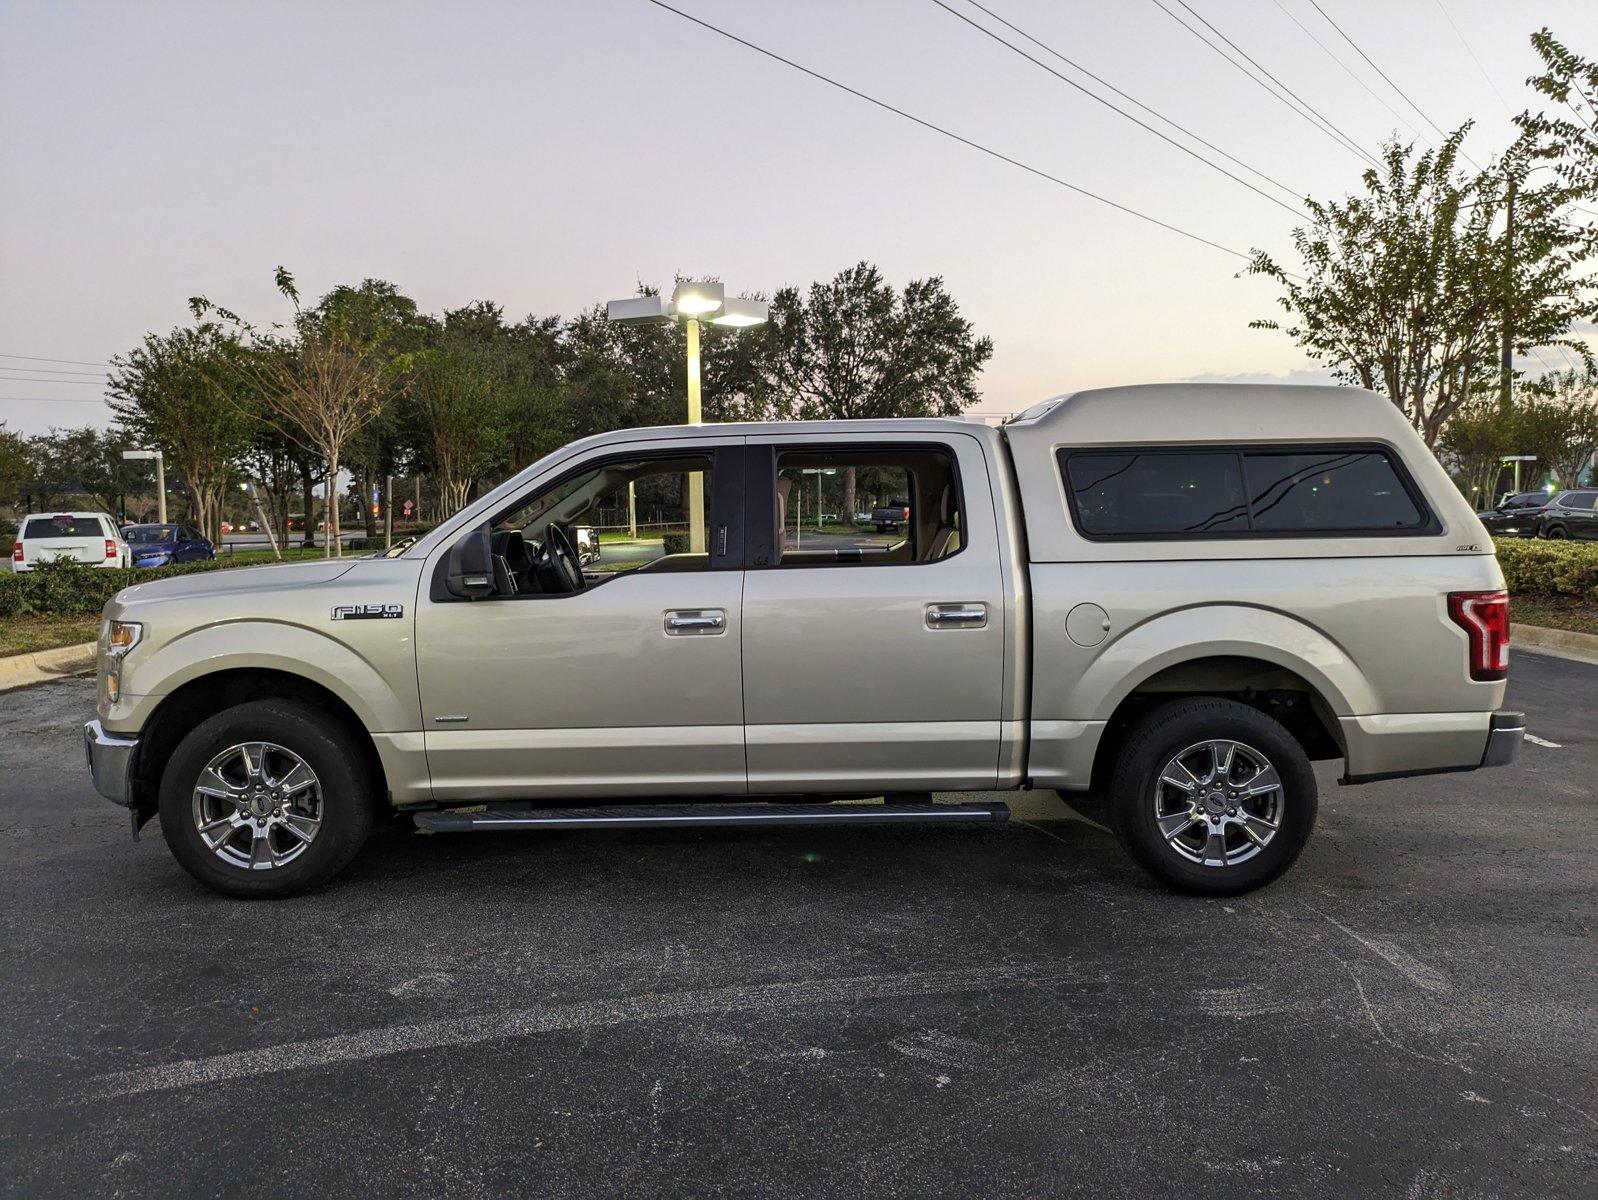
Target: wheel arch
column 206, row 695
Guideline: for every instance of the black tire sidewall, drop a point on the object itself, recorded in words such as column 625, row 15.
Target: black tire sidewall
column 1167, row 730
column 327, row 748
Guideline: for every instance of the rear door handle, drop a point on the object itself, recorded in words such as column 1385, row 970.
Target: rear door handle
column 696, row 621
column 957, row 616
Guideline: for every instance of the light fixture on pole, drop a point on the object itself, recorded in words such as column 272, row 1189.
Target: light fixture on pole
column 160, row 478
column 690, row 301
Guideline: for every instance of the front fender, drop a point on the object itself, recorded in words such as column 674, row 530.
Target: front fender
column 360, row 677
column 1233, row 630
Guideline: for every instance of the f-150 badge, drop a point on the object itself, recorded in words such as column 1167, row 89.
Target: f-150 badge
column 367, row 612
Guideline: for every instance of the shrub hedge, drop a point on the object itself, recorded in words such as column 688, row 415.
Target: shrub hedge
column 1550, row 568
column 71, row 589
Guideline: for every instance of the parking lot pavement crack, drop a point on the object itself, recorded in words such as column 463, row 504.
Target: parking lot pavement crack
column 584, row 1016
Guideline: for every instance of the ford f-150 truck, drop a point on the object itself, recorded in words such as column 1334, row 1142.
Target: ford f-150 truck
column 1176, row 596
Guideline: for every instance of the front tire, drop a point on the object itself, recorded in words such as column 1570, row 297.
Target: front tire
column 266, row 799
column 1212, row 797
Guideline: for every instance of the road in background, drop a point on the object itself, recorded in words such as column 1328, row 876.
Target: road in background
column 995, row 1011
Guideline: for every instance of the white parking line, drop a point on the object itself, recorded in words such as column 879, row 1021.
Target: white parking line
column 1537, row 741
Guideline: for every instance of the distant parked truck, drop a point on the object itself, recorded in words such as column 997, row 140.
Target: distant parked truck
column 1175, row 596
column 892, row 516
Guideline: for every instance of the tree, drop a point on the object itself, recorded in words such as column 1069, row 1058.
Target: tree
column 1567, row 137
column 68, row 464
column 319, row 385
column 1409, row 285
column 1561, row 426
column 1475, row 442
column 854, row 348
column 181, row 393
column 15, row 466
column 460, row 413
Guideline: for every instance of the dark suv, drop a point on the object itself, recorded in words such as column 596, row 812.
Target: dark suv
column 1516, row 515
column 1572, row 514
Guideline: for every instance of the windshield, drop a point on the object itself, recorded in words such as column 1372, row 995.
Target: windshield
column 151, row 533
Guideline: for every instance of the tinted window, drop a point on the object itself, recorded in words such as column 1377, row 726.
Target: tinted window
column 63, row 527
column 1578, row 499
column 141, row 534
column 870, row 508
column 1157, row 493
column 1326, row 491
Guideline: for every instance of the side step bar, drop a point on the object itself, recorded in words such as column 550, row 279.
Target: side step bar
column 637, row 816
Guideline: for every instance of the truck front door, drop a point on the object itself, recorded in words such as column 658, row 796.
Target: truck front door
column 871, row 660
column 627, row 684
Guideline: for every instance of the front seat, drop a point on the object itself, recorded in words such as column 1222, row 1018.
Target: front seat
column 944, row 541
column 513, row 565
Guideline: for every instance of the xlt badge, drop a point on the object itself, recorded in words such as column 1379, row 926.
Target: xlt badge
column 367, row 612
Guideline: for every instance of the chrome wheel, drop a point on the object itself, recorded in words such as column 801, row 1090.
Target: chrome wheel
column 257, row 805
column 1218, row 803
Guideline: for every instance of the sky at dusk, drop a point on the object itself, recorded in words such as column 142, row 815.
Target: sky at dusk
column 550, row 155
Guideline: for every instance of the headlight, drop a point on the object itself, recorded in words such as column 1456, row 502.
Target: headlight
column 119, row 638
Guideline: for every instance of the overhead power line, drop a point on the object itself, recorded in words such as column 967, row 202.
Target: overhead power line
column 948, row 133
column 1291, row 98
column 1369, row 62
column 1460, row 35
column 70, row 361
column 1113, row 108
column 49, row 400
column 47, row 379
column 1347, row 70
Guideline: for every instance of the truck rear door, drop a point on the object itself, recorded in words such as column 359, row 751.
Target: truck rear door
column 871, row 660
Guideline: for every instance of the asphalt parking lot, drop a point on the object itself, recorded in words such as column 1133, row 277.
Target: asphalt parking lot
column 996, row 1011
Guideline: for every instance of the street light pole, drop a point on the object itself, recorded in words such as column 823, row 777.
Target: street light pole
column 690, row 301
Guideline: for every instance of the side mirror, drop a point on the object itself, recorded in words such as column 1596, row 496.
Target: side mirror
column 469, row 569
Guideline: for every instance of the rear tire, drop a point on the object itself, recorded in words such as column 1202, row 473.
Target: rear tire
column 1191, row 797
column 1556, row 533
column 280, row 818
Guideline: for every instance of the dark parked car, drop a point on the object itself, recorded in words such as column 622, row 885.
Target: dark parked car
column 163, row 545
column 1516, row 515
column 1572, row 514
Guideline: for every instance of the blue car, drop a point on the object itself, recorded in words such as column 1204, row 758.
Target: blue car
column 163, row 545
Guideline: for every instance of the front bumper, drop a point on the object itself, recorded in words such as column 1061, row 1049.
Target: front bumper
column 110, row 758
column 1504, row 737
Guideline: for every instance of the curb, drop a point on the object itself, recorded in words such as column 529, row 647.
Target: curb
column 21, row 670
column 1539, row 637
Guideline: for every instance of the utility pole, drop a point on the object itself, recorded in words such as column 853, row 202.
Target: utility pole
column 1506, row 362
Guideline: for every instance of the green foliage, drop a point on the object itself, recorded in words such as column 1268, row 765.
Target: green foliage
column 675, row 543
column 81, row 469
column 1558, row 422
column 68, row 588
column 1568, row 136
column 1410, row 284
column 1550, row 567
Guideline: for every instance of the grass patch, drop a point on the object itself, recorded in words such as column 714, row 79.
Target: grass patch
column 1555, row 612
column 24, row 635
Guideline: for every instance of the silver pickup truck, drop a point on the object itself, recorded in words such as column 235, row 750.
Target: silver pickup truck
column 1178, row 597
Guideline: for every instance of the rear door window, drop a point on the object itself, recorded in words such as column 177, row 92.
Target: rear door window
column 1580, row 500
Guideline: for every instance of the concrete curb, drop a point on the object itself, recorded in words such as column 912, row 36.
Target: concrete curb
column 1568, row 641
column 21, row 670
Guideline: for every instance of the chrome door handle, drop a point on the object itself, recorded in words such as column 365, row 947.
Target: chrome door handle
column 695, row 622
column 956, row 616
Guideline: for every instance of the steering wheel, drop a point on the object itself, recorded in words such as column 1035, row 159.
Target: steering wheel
column 560, row 557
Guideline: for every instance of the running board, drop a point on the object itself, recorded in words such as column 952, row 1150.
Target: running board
column 637, row 816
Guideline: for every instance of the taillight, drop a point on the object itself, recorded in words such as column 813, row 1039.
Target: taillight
column 1484, row 616
column 907, row 513
column 16, row 551
column 110, row 548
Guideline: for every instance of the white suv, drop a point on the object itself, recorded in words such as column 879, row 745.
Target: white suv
column 90, row 538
